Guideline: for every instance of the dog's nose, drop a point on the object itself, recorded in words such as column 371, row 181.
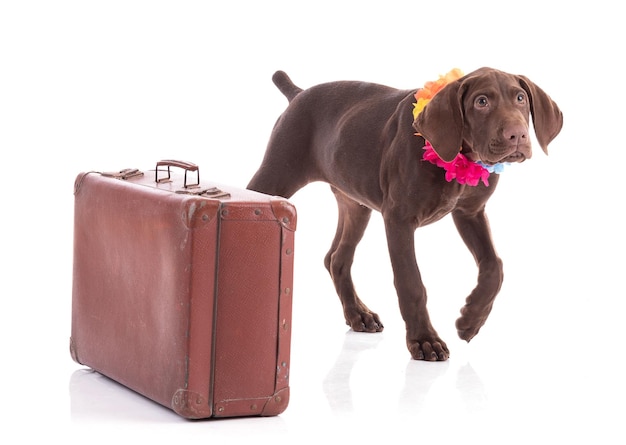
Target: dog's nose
column 516, row 134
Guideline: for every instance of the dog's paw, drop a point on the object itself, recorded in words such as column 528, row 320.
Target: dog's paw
column 432, row 350
column 364, row 321
column 469, row 323
column 466, row 333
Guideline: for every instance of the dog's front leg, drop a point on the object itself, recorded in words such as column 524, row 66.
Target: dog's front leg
column 421, row 338
column 474, row 229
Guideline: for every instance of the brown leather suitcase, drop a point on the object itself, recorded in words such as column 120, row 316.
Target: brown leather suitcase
column 182, row 290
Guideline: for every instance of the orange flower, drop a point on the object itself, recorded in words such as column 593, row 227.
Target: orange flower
column 424, row 95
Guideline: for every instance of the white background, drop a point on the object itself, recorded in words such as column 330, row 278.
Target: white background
column 106, row 85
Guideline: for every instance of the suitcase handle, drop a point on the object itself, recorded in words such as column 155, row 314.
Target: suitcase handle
column 187, row 166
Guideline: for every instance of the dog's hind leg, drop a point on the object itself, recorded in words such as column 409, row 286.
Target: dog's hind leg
column 286, row 166
column 274, row 183
column 352, row 221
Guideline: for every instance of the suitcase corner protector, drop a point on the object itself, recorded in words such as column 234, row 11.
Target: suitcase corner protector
column 285, row 213
column 277, row 403
column 73, row 351
column 190, row 404
column 79, row 181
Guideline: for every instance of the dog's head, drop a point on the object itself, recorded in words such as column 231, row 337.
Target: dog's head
column 486, row 114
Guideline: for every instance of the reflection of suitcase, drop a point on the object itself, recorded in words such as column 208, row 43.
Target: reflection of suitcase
column 183, row 292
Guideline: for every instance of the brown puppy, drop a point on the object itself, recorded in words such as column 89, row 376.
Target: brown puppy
column 360, row 138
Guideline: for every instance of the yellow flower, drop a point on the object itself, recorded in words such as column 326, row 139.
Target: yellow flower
column 419, row 106
column 424, row 95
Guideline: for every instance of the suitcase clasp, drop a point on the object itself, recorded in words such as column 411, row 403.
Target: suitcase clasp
column 212, row 192
column 123, row 174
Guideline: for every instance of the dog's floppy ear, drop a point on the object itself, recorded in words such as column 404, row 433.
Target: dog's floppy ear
column 441, row 121
column 547, row 118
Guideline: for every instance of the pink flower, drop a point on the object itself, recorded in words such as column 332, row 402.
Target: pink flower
column 460, row 168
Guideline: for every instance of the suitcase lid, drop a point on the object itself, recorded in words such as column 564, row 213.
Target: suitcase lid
column 164, row 178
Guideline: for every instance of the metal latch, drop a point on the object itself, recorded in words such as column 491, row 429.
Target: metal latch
column 212, row 192
column 123, row 174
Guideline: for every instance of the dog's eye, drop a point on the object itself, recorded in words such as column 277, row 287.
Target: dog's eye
column 521, row 98
column 482, row 101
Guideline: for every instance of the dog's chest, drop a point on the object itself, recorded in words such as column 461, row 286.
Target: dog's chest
column 434, row 211
column 433, row 205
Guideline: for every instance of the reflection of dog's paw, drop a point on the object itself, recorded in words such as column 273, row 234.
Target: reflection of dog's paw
column 364, row 320
column 431, row 350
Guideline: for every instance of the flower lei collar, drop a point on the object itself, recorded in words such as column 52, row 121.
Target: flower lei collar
column 460, row 168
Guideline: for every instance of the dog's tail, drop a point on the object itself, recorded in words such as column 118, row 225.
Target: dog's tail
column 285, row 85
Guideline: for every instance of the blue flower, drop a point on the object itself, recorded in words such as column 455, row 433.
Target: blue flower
column 495, row 168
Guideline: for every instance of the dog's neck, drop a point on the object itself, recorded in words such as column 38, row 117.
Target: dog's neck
column 461, row 168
